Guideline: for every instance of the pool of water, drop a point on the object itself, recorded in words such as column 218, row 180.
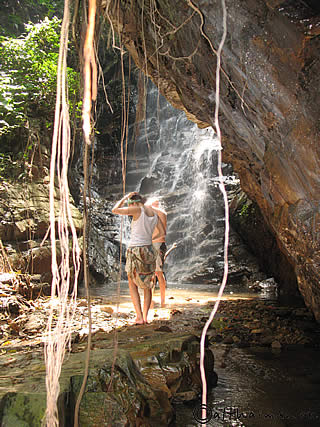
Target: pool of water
column 178, row 297
column 261, row 387
column 177, row 294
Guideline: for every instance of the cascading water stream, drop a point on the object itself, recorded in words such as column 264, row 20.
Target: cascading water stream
column 177, row 162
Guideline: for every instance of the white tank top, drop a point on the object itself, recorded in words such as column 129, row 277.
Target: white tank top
column 142, row 229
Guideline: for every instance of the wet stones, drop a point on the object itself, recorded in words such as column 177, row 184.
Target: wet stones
column 259, row 323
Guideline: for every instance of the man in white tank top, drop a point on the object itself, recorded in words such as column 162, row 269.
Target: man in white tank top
column 141, row 256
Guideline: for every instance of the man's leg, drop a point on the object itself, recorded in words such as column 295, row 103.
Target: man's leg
column 146, row 303
column 135, row 297
column 162, row 285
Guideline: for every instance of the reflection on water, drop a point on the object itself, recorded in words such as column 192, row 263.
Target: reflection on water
column 261, row 387
column 181, row 292
column 177, row 295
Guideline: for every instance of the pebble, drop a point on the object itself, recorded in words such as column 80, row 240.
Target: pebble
column 276, row 344
column 106, row 309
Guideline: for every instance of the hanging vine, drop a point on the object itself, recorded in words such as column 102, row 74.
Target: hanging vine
column 63, row 305
column 59, row 334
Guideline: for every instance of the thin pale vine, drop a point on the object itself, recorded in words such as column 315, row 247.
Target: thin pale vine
column 101, row 75
column 153, row 8
column 124, row 137
column 169, row 33
column 214, row 51
column 226, row 206
column 180, row 58
column 145, row 67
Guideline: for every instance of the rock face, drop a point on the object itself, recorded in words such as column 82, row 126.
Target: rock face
column 25, row 224
column 269, row 111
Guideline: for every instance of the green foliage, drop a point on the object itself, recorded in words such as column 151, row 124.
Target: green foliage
column 7, row 165
column 14, row 13
column 244, row 210
column 49, row 5
column 218, row 324
column 28, row 76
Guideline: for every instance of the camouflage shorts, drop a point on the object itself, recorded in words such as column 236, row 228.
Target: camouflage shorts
column 161, row 249
column 141, row 265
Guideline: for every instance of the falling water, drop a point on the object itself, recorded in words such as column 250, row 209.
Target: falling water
column 176, row 161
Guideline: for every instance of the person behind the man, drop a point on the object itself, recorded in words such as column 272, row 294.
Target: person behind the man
column 159, row 242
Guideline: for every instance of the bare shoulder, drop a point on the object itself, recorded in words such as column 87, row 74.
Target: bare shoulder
column 149, row 211
column 161, row 214
column 159, row 211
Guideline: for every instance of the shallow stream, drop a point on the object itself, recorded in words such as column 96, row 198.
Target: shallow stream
column 261, row 387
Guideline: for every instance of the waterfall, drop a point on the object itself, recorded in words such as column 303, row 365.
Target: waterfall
column 176, row 161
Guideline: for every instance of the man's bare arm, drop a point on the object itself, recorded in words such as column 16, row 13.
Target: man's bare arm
column 120, row 210
column 159, row 230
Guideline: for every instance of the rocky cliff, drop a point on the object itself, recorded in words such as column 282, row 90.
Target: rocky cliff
column 25, row 244
column 269, row 108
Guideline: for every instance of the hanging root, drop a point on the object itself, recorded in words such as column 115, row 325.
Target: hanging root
column 5, row 266
column 89, row 73
column 62, row 309
column 89, row 96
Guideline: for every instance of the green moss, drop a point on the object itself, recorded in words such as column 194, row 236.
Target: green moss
column 218, row 324
column 244, row 210
column 23, row 409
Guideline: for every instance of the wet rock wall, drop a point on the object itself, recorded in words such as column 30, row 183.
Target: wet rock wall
column 269, row 111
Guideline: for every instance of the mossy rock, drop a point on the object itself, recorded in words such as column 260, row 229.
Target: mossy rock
column 22, row 409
